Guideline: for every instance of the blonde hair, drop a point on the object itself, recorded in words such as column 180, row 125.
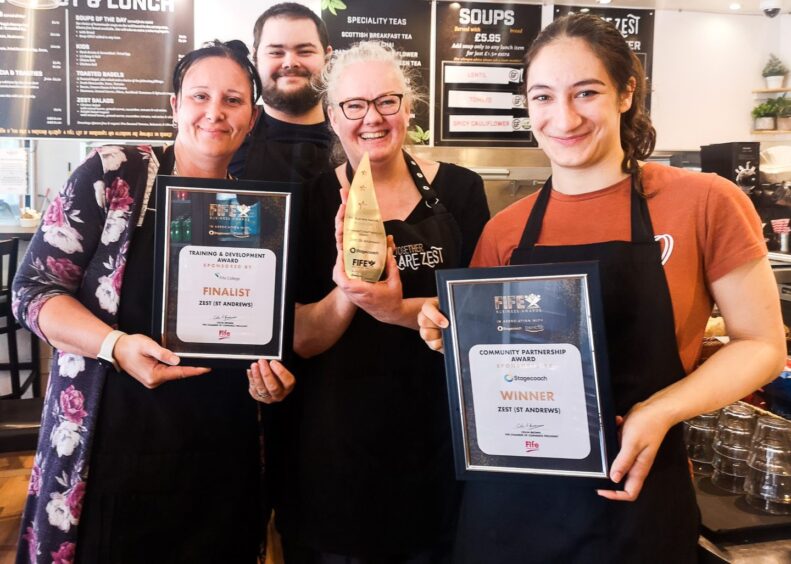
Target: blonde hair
column 363, row 52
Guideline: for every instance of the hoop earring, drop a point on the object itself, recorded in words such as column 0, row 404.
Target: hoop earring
column 174, row 124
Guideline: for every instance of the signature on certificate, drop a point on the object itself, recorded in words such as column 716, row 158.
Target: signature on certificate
column 528, row 426
column 223, row 317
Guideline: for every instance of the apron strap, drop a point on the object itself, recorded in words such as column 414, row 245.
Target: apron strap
column 427, row 193
column 641, row 227
column 533, row 228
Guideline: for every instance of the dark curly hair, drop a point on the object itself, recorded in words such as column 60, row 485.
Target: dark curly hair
column 234, row 50
column 638, row 136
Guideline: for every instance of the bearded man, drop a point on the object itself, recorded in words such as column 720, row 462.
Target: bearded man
column 291, row 140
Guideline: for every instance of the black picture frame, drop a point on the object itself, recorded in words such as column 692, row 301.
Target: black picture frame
column 528, row 373
column 239, row 235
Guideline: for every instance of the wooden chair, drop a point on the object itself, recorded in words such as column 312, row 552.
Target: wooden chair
column 9, row 251
column 20, row 420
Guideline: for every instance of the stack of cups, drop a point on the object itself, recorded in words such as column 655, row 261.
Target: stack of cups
column 768, row 480
column 732, row 441
column 699, row 437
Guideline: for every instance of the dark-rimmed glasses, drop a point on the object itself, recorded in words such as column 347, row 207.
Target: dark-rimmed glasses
column 357, row 108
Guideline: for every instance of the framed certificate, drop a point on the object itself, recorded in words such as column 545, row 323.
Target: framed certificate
column 222, row 269
column 528, row 378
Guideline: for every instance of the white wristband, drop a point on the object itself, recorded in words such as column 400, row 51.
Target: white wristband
column 105, row 355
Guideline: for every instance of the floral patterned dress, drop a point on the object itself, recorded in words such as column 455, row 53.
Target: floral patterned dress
column 80, row 250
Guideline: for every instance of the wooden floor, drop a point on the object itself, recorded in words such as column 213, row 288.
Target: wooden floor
column 14, row 476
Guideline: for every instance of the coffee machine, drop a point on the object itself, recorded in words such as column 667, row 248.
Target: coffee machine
column 737, row 161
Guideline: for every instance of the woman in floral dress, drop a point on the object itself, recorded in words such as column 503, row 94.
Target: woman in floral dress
column 173, row 451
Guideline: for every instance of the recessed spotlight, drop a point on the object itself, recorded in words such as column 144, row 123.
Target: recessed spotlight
column 735, row 6
column 603, row 1
column 584, row 10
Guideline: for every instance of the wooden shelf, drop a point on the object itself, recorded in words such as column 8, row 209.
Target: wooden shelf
column 771, row 90
column 771, row 132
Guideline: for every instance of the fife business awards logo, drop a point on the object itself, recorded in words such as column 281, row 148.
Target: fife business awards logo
column 224, row 334
column 518, row 302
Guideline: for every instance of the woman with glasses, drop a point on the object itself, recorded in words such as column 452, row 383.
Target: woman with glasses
column 374, row 471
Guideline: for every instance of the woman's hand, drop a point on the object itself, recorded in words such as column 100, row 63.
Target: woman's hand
column 269, row 381
column 431, row 322
column 642, row 432
column 150, row 364
column 382, row 300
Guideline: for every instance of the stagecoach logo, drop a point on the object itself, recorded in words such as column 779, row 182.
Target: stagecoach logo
column 224, row 334
column 518, row 302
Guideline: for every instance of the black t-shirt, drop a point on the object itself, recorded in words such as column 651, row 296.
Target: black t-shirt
column 273, row 129
column 372, row 467
column 459, row 189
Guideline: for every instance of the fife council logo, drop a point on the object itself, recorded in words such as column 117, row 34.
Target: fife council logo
column 532, row 446
column 223, row 334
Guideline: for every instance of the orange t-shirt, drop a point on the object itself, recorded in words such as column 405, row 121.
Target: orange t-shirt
column 707, row 227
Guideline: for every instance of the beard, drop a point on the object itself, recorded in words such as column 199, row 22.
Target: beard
column 293, row 103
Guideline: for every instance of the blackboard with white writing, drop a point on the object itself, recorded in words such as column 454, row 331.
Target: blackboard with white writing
column 98, row 69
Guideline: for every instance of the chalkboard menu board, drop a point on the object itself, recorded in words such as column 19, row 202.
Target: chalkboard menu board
column 480, row 94
column 404, row 25
column 97, row 69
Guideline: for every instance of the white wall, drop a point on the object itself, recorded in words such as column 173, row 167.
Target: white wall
column 705, row 67
column 233, row 19
column 54, row 158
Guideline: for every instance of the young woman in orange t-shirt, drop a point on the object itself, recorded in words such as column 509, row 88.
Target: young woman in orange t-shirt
column 586, row 93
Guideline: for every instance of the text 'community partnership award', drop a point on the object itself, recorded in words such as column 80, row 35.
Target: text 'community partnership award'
column 222, row 249
column 527, row 371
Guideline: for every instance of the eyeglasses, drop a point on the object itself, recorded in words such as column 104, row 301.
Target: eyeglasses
column 357, row 108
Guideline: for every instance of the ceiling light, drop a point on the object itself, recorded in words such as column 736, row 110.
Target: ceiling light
column 603, row 1
column 735, row 6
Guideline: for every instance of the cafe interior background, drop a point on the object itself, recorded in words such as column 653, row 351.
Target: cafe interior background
column 706, row 78
column 707, row 63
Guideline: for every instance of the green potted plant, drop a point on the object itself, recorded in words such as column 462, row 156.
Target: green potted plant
column 764, row 115
column 784, row 113
column 774, row 72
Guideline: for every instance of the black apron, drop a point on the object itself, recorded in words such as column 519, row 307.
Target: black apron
column 529, row 523
column 174, row 471
column 268, row 159
column 375, row 460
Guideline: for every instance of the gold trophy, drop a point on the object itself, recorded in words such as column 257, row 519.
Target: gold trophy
column 364, row 237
